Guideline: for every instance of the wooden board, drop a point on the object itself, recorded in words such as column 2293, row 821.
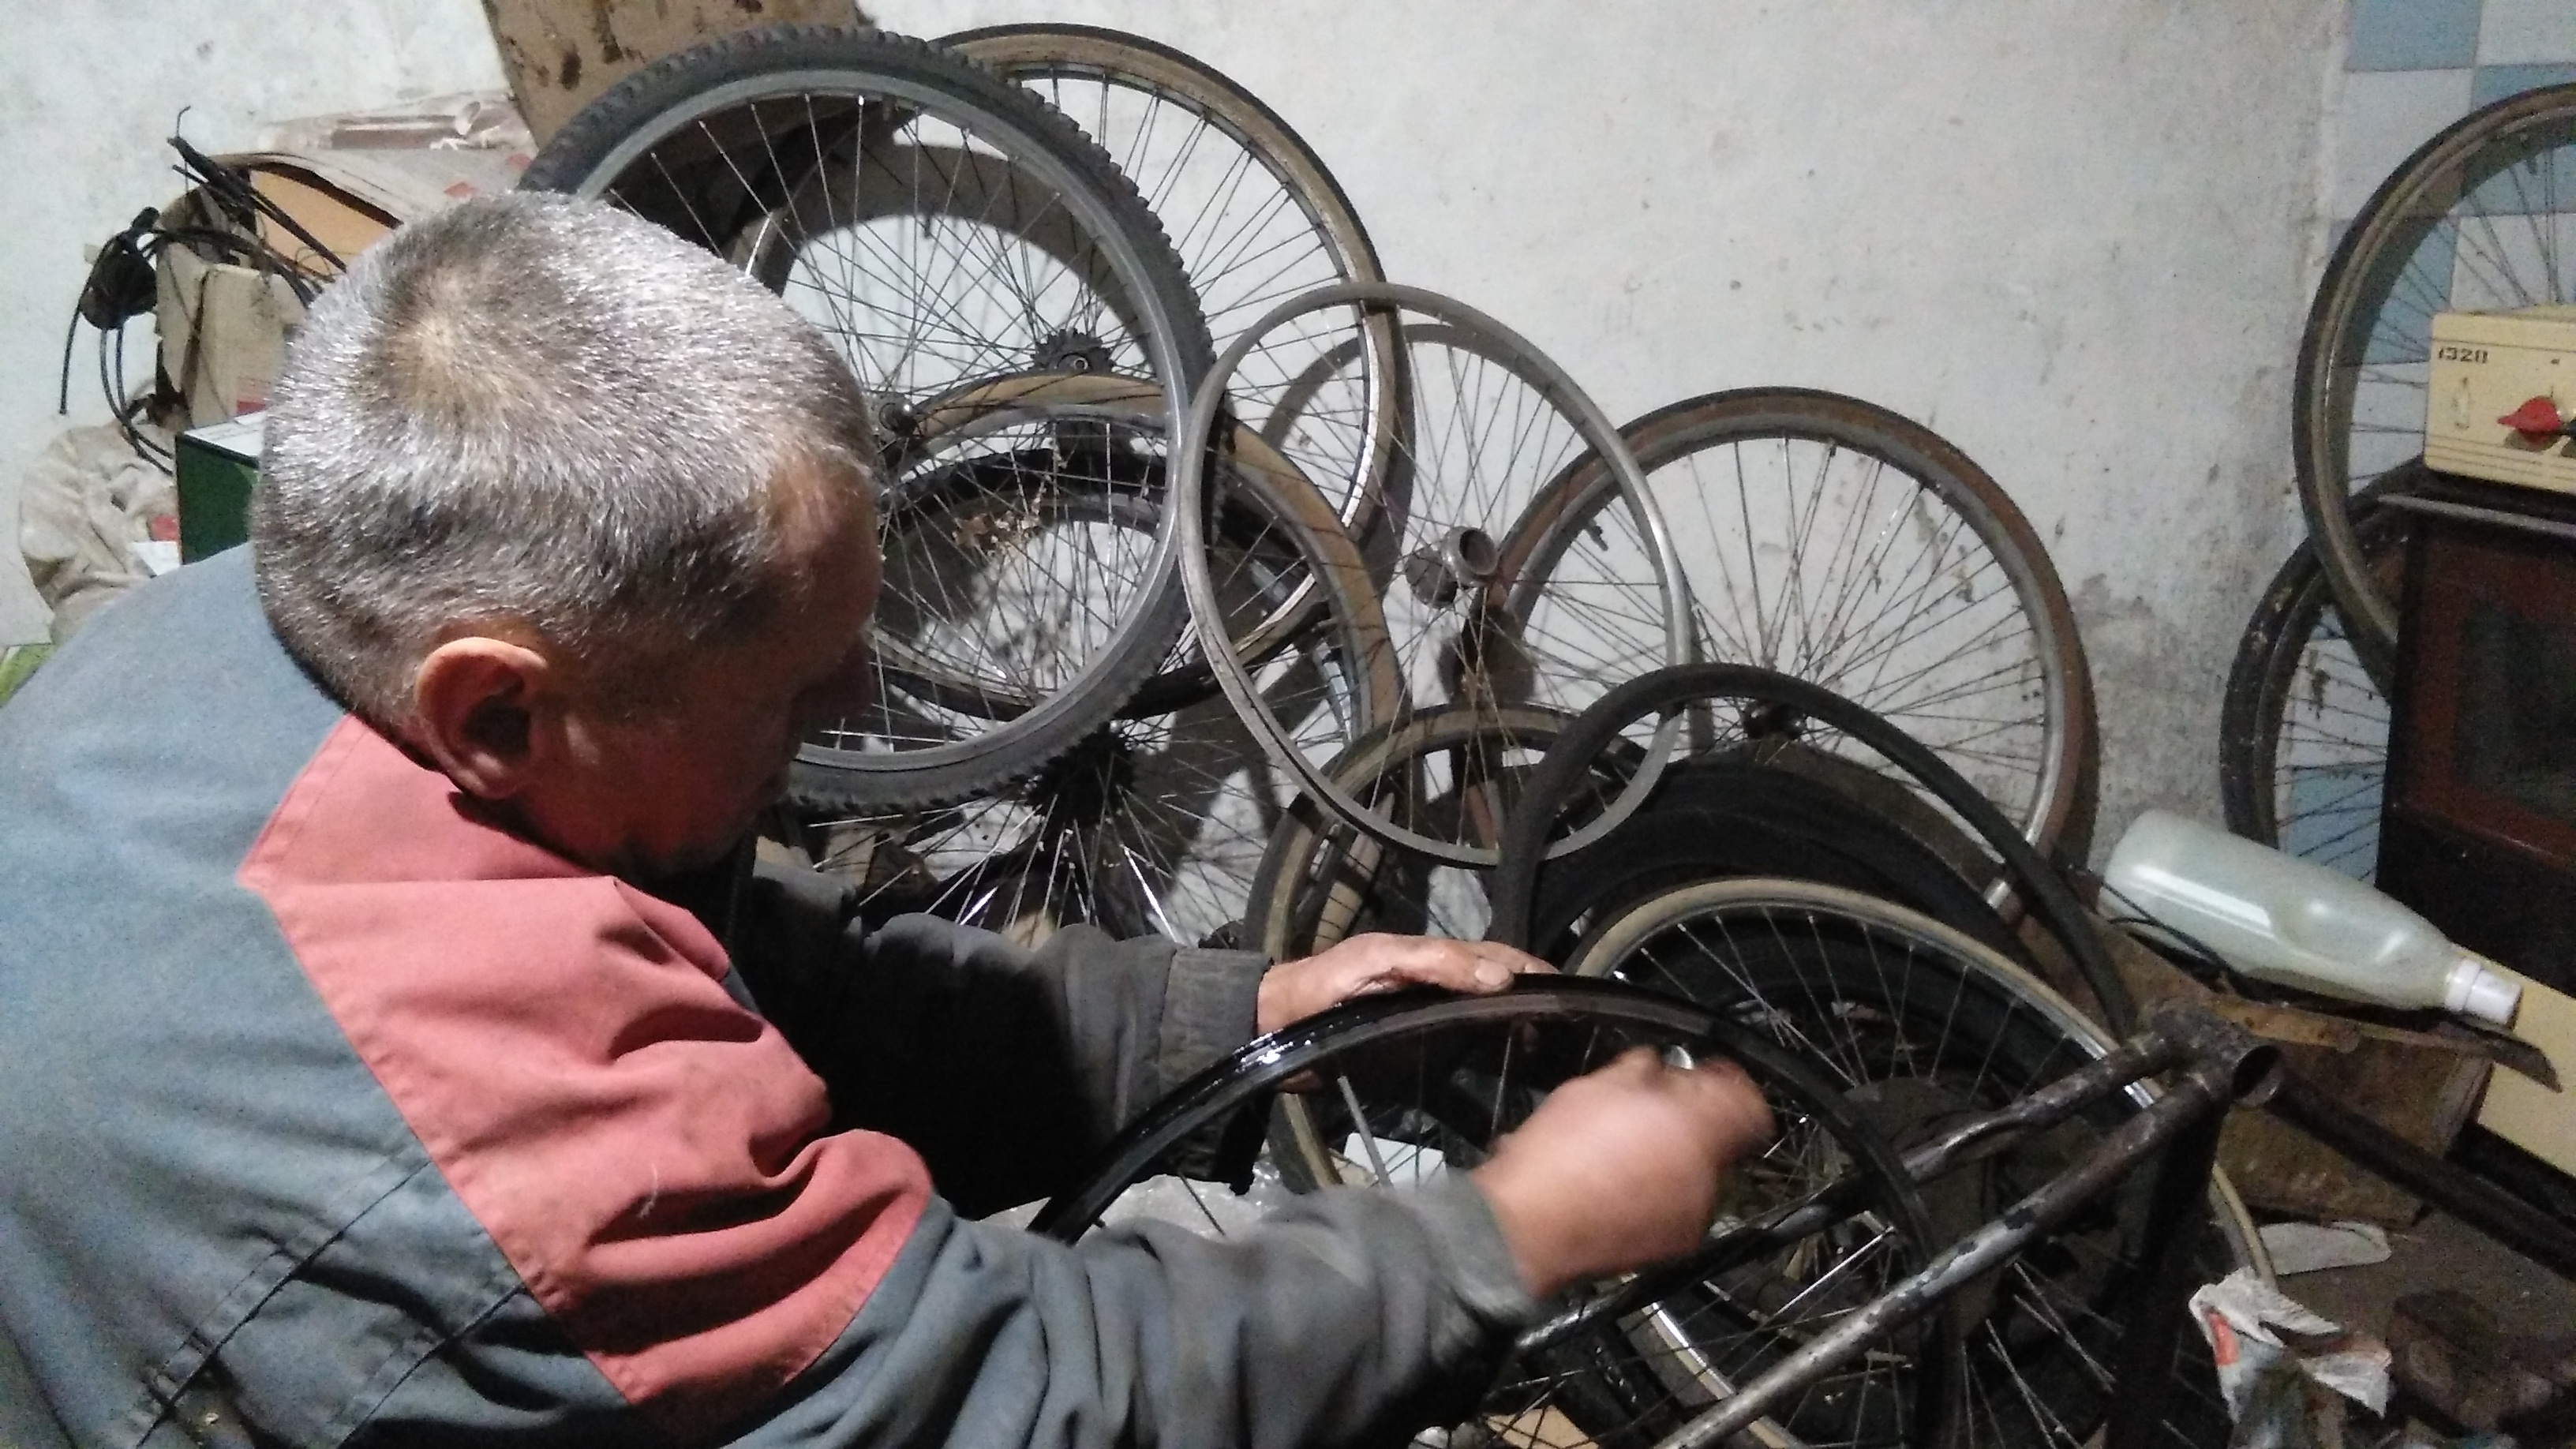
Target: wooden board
column 560, row 54
column 2419, row 1085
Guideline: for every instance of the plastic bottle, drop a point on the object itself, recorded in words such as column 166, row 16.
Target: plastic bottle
column 2278, row 918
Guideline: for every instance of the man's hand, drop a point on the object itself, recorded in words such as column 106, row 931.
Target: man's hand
column 1620, row 1168
column 1362, row 965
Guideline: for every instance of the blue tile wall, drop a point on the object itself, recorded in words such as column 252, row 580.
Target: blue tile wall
column 2507, row 46
column 2495, row 82
column 2413, row 34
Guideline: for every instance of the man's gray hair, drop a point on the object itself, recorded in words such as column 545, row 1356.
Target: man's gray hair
column 536, row 409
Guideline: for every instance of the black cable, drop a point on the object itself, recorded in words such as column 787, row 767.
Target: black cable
column 63, row 389
column 237, row 185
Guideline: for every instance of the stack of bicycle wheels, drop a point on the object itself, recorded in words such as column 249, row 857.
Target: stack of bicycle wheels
column 1236, row 594
column 2477, row 219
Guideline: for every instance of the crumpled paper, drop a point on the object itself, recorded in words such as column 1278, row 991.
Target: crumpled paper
column 2270, row 1350
column 2312, row 1247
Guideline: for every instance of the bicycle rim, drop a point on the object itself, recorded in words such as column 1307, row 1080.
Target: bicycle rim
column 1920, row 1024
column 1839, row 543
column 1494, row 421
column 946, row 231
column 2303, row 749
column 2481, row 218
column 1418, row 1090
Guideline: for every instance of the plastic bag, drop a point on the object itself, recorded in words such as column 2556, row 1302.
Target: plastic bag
column 2274, row 1355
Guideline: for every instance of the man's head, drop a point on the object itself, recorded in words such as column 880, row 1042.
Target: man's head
column 578, row 513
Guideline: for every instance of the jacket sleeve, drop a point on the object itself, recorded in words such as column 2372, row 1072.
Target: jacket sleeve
column 1351, row 1317
column 1006, row 1069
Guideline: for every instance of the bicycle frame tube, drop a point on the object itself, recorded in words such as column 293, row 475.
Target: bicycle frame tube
column 2219, row 1064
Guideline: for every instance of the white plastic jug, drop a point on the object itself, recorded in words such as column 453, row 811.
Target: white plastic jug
column 2278, row 918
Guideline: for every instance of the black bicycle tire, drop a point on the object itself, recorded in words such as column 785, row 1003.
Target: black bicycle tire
column 1754, row 819
column 2319, row 438
column 1252, row 1074
column 1991, row 1016
column 572, row 158
column 1679, row 429
column 2040, row 887
column 2260, row 681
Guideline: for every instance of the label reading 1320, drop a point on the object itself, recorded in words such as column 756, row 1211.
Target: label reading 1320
column 2460, row 354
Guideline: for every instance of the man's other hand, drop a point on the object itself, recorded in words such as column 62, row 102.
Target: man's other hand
column 1362, row 965
column 1620, row 1168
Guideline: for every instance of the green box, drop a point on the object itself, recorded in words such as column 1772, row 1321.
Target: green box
column 217, row 465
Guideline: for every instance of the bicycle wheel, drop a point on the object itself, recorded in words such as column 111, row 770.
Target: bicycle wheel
column 1152, row 824
column 953, row 237
column 1840, row 543
column 1322, row 879
column 2303, row 735
column 2481, row 218
column 1736, row 711
column 1919, row 1026
column 1415, row 1090
column 1490, row 424
column 1252, row 212
column 1009, row 509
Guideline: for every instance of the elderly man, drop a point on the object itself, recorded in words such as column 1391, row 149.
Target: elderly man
column 390, row 1050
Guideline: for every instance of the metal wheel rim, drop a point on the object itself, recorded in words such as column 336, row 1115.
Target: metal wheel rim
column 2322, row 438
column 1686, row 432
column 1189, row 502
column 1718, row 900
column 1266, row 1064
column 1027, row 149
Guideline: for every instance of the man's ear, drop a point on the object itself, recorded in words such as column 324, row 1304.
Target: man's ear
column 481, row 709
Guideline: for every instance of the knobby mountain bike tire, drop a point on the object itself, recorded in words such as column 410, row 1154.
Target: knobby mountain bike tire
column 756, row 145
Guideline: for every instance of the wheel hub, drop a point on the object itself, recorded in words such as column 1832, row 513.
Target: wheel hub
column 1080, row 788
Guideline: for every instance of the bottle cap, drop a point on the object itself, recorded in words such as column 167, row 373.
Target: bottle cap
column 2477, row 990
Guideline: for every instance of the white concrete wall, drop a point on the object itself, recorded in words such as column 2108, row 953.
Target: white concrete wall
column 90, row 89
column 2076, row 238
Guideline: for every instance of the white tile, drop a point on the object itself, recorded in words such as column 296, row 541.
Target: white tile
column 2381, row 118
column 2527, row 32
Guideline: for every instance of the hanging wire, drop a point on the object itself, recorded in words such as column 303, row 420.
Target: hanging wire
column 123, row 278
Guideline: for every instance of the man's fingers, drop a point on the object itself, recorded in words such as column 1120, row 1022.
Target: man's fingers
column 1466, row 965
column 1365, row 964
column 1458, row 965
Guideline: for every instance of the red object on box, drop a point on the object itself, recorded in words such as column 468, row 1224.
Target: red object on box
column 2539, row 415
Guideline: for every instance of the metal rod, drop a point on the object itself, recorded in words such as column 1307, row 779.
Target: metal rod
column 2501, row 518
column 1968, row 1142
column 2525, row 1229
column 2205, row 1090
column 2145, row 1054
column 2142, row 1373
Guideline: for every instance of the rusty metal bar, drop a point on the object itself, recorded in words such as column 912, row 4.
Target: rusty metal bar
column 1968, row 1142
column 2224, row 1063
